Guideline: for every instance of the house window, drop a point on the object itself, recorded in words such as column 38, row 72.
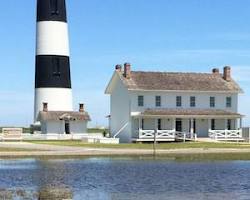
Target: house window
column 159, row 124
column 192, row 101
column 229, row 102
column 213, row 124
column 158, row 101
column 229, row 124
column 178, row 101
column 212, row 102
column 140, row 101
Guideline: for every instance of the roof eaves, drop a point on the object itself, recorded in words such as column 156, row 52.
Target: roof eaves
column 203, row 91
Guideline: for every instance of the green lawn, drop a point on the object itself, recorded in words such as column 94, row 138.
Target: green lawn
column 173, row 145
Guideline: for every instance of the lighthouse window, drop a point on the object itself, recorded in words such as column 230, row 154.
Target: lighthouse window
column 54, row 7
column 56, row 67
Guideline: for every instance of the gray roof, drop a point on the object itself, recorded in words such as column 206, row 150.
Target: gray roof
column 179, row 81
column 62, row 115
column 189, row 112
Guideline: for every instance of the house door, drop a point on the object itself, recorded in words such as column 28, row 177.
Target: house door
column 67, row 127
column 178, row 125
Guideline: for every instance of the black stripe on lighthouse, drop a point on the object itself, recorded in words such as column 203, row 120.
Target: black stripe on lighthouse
column 51, row 10
column 52, row 72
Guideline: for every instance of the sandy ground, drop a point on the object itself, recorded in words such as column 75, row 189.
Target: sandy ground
column 53, row 150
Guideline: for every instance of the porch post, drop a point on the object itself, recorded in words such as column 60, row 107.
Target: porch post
column 156, row 128
column 192, row 127
column 139, row 120
column 226, row 128
column 241, row 123
column 209, row 126
column 235, row 124
column 173, row 124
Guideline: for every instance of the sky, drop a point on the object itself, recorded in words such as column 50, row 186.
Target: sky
column 153, row 35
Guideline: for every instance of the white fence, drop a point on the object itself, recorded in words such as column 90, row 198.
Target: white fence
column 246, row 134
column 145, row 134
column 53, row 136
column 84, row 137
column 226, row 134
column 165, row 134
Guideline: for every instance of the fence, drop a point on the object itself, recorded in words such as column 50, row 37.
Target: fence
column 246, row 134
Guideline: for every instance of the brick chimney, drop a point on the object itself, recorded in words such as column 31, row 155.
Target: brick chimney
column 216, row 71
column 118, row 68
column 227, row 73
column 45, row 107
column 127, row 70
column 81, row 107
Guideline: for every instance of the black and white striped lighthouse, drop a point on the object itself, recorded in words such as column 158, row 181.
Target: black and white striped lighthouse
column 52, row 79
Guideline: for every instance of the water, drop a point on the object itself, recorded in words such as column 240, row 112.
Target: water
column 124, row 178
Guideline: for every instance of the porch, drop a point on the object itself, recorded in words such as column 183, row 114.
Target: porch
column 167, row 128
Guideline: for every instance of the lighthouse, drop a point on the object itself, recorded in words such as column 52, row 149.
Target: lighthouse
column 52, row 76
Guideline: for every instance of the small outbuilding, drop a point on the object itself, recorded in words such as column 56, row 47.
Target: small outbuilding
column 63, row 122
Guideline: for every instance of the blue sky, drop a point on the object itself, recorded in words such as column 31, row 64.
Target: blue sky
column 160, row 35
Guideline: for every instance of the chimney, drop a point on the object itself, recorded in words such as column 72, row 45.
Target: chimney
column 216, row 71
column 81, row 107
column 45, row 107
column 127, row 70
column 118, row 68
column 227, row 73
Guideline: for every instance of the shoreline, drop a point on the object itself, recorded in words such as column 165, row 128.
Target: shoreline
column 45, row 150
column 193, row 152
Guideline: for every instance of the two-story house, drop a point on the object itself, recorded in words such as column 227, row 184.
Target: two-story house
column 149, row 105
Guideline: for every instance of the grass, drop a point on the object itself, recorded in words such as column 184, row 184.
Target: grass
column 173, row 145
column 96, row 130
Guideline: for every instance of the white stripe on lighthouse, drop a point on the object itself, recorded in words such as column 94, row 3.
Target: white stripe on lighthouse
column 52, row 38
column 58, row 99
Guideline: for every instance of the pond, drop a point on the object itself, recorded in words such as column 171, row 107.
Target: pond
column 136, row 178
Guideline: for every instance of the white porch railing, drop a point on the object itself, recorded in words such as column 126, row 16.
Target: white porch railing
column 225, row 134
column 165, row 134
column 146, row 133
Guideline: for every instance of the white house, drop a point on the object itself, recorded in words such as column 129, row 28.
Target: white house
column 160, row 105
column 63, row 122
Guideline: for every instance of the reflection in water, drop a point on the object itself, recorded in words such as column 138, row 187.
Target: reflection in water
column 52, row 179
column 55, row 193
column 115, row 179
